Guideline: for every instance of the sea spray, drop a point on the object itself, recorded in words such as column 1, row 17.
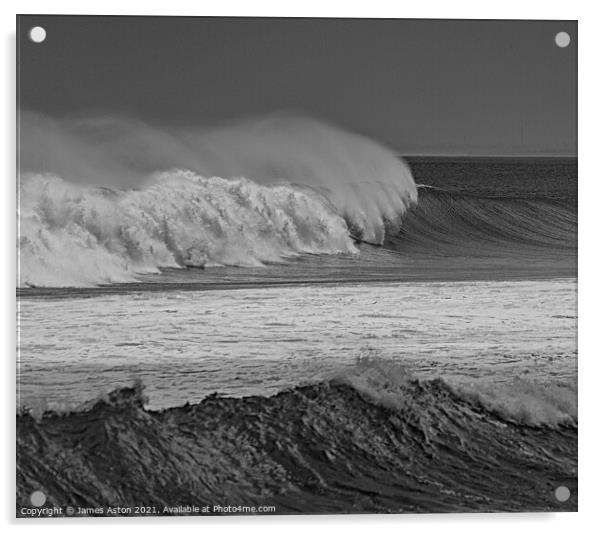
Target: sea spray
column 102, row 200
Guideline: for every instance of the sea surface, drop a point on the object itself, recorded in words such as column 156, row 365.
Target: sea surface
column 450, row 338
column 186, row 345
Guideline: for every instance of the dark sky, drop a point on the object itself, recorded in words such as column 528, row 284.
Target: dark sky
column 421, row 86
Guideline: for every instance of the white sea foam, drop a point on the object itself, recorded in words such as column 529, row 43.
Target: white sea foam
column 187, row 344
column 75, row 235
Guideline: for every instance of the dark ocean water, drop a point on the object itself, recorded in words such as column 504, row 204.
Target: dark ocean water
column 552, row 178
column 519, row 213
column 332, row 447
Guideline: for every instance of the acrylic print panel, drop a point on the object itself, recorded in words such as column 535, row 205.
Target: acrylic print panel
column 282, row 266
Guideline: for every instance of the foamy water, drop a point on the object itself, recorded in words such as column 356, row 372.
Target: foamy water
column 80, row 236
column 185, row 345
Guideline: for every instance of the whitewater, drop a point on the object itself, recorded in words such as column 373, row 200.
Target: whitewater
column 76, row 236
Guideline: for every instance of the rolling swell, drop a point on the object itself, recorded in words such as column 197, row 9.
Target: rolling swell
column 448, row 222
column 359, row 443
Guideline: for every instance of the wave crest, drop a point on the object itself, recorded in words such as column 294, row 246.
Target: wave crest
column 520, row 401
column 286, row 185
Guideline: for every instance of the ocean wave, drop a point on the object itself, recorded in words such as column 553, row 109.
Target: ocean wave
column 77, row 235
column 249, row 193
column 519, row 401
column 373, row 440
column 365, row 181
column 74, row 235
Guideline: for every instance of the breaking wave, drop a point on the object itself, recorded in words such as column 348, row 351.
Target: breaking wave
column 77, row 235
column 249, row 193
column 374, row 439
column 518, row 401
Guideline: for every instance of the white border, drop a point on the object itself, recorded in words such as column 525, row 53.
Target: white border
column 590, row 157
